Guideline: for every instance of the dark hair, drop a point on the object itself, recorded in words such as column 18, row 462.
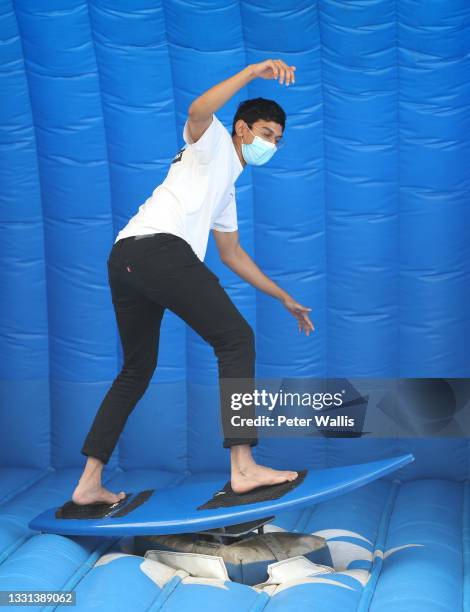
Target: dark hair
column 259, row 108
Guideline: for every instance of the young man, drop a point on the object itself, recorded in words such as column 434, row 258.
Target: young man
column 157, row 262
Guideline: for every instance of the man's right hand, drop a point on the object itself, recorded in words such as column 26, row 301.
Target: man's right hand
column 274, row 69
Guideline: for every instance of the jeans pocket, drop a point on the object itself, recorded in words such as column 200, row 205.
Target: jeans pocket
column 165, row 258
column 135, row 251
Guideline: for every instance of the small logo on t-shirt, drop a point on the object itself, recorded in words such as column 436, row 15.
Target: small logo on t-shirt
column 178, row 156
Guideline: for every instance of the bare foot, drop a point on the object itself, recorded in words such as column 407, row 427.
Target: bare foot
column 94, row 494
column 254, row 475
column 90, row 490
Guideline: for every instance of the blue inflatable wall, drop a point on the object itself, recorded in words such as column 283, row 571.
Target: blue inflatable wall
column 363, row 216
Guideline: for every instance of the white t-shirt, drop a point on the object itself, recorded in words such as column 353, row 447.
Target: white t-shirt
column 198, row 193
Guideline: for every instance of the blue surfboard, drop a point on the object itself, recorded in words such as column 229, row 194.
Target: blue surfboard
column 177, row 509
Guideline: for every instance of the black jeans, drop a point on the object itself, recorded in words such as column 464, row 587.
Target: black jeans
column 147, row 275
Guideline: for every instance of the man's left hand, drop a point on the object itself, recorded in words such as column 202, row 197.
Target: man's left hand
column 300, row 313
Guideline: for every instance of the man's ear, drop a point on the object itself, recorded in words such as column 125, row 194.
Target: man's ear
column 239, row 125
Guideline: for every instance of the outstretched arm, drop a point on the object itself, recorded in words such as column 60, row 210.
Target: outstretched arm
column 201, row 110
column 238, row 260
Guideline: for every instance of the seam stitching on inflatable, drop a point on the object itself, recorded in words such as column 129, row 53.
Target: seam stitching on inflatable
column 397, row 58
column 26, row 485
column 165, row 594
column 4, row 554
column 378, row 552
column 261, row 602
column 85, row 568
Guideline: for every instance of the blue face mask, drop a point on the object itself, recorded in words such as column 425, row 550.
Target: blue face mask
column 258, row 152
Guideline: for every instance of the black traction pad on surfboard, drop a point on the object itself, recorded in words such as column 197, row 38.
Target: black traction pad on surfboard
column 226, row 497
column 138, row 500
column 71, row 510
